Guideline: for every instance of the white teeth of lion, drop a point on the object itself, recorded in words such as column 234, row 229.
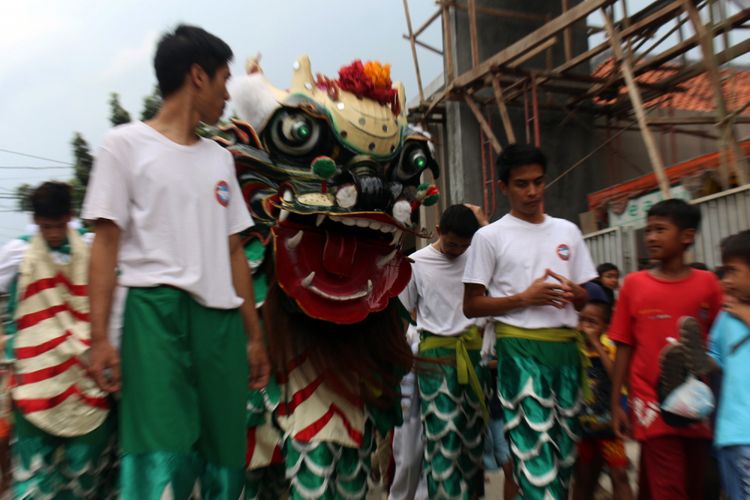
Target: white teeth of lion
column 347, row 221
column 320, row 219
column 369, row 286
column 308, row 280
column 375, row 225
column 294, row 241
column 283, row 215
column 396, row 237
column 362, row 222
column 385, row 259
column 387, row 228
column 288, row 196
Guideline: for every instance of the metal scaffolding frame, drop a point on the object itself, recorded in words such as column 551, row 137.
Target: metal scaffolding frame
column 629, row 38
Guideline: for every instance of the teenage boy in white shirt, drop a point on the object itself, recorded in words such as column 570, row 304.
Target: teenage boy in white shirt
column 525, row 271
column 167, row 212
column 452, row 383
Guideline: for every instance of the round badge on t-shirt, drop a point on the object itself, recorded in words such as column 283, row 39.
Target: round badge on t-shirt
column 563, row 251
column 222, row 193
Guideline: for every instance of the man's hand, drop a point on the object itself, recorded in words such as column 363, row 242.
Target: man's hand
column 620, row 422
column 478, row 213
column 260, row 368
column 104, row 365
column 737, row 308
column 543, row 293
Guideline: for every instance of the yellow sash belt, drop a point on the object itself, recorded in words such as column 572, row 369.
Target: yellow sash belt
column 470, row 340
column 505, row 331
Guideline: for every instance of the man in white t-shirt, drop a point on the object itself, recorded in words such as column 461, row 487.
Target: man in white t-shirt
column 525, row 271
column 452, row 383
column 168, row 212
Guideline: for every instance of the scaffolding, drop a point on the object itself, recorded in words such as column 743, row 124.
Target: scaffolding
column 654, row 40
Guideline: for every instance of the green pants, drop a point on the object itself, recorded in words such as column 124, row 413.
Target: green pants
column 539, row 384
column 184, row 385
column 452, row 424
column 64, row 468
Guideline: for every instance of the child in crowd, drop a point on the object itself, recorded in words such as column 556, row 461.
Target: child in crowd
column 729, row 346
column 609, row 279
column 599, row 446
column 649, row 309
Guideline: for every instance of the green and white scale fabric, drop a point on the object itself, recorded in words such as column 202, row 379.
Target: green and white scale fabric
column 453, row 388
column 539, row 384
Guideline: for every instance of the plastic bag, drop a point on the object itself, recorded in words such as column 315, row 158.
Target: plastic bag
column 693, row 400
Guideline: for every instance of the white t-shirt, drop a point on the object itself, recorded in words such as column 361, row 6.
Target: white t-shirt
column 436, row 292
column 176, row 206
column 509, row 254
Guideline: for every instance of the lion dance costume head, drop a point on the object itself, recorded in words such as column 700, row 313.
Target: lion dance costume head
column 331, row 172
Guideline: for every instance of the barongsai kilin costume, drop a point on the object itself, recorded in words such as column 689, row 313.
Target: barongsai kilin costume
column 331, row 172
column 65, row 439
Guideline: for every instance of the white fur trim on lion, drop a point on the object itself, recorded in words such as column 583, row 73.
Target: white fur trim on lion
column 254, row 99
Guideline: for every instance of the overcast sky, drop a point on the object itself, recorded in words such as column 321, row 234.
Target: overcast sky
column 61, row 59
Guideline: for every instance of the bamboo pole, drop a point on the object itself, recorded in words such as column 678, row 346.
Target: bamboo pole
column 635, row 98
column 483, row 123
column 473, row 33
column 447, row 44
column 567, row 38
column 727, row 138
column 413, row 50
column 503, row 109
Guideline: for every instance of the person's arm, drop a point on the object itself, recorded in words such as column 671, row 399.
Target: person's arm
column 620, row 422
column 243, row 284
column 104, row 361
column 540, row 293
column 11, row 256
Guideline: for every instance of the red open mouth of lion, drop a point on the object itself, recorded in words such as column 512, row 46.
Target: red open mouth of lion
column 340, row 267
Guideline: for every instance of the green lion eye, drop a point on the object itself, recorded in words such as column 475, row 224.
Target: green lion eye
column 301, row 130
column 418, row 159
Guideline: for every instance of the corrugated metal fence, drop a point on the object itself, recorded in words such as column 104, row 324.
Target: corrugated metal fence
column 723, row 214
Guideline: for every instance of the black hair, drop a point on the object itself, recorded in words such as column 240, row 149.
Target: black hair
column 186, row 46
column 737, row 246
column 52, row 199
column 606, row 267
column 681, row 213
column 519, row 155
column 604, row 306
column 459, row 220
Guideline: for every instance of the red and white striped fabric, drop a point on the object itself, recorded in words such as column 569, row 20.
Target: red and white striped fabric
column 50, row 384
column 320, row 407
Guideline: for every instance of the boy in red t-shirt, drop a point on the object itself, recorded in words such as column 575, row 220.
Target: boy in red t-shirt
column 651, row 303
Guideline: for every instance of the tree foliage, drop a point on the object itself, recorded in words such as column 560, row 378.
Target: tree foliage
column 117, row 114
column 23, row 195
column 151, row 104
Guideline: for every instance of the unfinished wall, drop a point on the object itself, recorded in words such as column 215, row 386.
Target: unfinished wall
column 564, row 141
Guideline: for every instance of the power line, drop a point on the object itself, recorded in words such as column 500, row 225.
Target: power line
column 31, row 167
column 34, row 156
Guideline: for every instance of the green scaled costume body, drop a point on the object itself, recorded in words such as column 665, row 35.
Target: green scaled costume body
column 539, row 384
column 55, row 454
column 453, row 386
